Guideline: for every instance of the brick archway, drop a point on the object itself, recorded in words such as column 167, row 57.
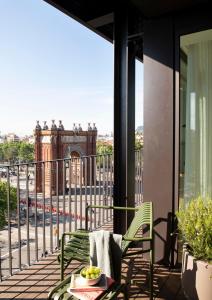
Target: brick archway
column 58, row 143
column 76, row 149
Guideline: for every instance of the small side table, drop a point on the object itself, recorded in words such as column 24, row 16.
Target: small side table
column 60, row 291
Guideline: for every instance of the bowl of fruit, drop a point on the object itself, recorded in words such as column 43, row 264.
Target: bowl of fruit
column 90, row 275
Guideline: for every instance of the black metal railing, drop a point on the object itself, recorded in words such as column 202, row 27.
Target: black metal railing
column 45, row 199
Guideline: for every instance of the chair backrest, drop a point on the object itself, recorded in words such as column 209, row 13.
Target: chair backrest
column 144, row 216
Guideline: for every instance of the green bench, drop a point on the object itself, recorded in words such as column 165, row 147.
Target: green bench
column 77, row 248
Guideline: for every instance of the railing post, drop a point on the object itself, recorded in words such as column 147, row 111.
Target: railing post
column 9, row 224
column 44, row 204
column 51, row 206
column 57, row 231
column 36, row 211
column 80, row 187
column 69, row 194
column 94, row 179
column 27, row 214
column 0, row 265
column 64, row 194
column 18, row 216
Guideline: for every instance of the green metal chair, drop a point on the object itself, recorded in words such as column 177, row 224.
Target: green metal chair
column 77, row 248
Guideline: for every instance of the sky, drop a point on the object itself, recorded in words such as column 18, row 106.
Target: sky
column 52, row 67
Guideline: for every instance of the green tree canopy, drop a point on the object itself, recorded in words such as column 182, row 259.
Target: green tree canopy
column 106, row 148
column 3, row 202
column 103, row 148
column 16, row 151
column 26, row 152
column 138, row 145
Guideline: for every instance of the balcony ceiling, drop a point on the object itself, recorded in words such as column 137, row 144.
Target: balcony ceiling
column 98, row 15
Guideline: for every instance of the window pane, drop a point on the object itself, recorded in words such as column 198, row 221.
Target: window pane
column 196, row 115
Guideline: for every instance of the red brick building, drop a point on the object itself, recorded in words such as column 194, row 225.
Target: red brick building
column 57, row 143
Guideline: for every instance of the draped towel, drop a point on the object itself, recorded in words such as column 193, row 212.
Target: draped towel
column 106, row 252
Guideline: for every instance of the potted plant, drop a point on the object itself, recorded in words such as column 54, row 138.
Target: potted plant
column 195, row 227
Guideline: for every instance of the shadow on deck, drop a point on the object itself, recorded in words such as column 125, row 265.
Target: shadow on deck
column 36, row 281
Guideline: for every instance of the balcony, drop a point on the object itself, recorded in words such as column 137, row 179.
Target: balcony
column 42, row 213
column 51, row 196
column 30, row 240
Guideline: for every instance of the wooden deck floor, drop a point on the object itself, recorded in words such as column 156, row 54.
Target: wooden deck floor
column 36, row 281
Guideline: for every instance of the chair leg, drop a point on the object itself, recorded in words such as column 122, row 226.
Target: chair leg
column 126, row 292
column 113, row 295
column 62, row 258
column 151, row 270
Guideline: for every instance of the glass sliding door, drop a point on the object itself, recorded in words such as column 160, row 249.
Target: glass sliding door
column 196, row 115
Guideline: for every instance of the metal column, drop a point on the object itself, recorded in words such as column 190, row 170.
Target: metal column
column 130, row 137
column 120, row 113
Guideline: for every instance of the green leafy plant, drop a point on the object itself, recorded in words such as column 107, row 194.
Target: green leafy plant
column 3, row 202
column 195, row 226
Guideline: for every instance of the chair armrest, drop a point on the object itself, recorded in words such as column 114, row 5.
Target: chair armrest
column 143, row 239
column 62, row 283
column 106, row 207
column 112, row 207
column 55, row 289
column 74, row 233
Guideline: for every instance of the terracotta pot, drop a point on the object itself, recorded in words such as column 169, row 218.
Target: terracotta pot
column 196, row 278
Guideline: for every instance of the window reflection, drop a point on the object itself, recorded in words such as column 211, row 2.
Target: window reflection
column 196, row 115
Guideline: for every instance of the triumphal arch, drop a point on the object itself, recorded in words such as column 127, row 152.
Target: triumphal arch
column 55, row 143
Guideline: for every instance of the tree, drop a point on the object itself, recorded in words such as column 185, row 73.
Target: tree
column 138, row 145
column 10, row 151
column 16, row 151
column 26, row 152
column 138, row 140
column 3, row 202
column 1, row 153
column 103, row 148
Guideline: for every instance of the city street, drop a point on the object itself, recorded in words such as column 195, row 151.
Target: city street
column 71, row 216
